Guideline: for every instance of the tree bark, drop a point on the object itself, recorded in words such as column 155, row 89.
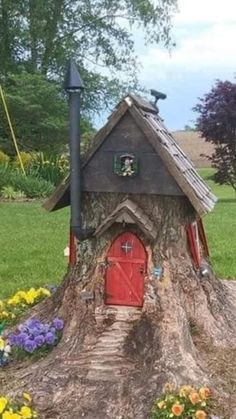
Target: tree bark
column 113, row 362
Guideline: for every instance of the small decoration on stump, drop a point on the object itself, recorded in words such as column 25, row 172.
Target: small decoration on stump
column 125, row 165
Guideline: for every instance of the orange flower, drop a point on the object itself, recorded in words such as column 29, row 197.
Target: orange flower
column 194, row 397
column 177, row 409
column 200, row 414
column 204, row 393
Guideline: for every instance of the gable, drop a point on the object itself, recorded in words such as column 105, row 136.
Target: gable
column 126, row 137
column 163, row 167
column 128, row 212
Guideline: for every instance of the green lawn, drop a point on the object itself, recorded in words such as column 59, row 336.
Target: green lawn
column 221, row 228
column 32, row 241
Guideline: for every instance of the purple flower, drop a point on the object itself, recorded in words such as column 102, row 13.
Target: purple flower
column 12, row 339
column 50, row 338
column 33, row 323
column 58, row 324
column 20, row 339
column 22, row 327
column 46, row 328
column 35, row 327
column 30, row 346
column 39, row 340
column 52, row 288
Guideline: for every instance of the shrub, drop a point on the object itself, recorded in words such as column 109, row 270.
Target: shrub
column 4, row 158
column 8, row 192
column 50, row 167
column 5, row 173
column 31, row 186
column 26, row 158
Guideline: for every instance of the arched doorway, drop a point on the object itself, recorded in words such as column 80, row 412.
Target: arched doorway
column 127, row 260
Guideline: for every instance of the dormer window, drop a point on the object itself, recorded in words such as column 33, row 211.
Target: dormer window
column 125, row 165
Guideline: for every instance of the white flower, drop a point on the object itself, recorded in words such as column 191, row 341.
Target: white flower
column 7, row 349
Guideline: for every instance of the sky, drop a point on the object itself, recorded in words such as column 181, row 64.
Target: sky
column 205, row 36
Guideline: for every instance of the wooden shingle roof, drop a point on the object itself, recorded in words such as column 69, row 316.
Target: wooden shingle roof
column 175, row 160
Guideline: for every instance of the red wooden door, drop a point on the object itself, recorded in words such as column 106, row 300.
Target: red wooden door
column 126, row 260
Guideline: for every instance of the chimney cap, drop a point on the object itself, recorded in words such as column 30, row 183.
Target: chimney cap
column 158, row 95
column 73, row 80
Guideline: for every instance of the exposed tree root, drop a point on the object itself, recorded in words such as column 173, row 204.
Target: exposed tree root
column 111, row 362
column 188, row 336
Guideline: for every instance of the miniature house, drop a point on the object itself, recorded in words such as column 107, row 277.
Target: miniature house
column 144, row 201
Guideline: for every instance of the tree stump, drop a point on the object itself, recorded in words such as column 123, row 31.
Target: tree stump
column 113, row 361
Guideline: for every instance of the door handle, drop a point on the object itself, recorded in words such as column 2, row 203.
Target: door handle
column 142, row 269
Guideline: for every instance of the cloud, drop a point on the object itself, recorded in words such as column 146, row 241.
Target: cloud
column 205, row 11
column 211, row 48
column 205, row 33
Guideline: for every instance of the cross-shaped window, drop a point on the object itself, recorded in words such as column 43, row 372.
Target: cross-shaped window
column 126, row 247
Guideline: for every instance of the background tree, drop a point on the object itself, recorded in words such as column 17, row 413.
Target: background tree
column 39, row 115
column 37, row 37
column 217, row 123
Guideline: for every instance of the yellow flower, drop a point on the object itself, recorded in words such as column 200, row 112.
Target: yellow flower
column 30, row 296
column 26, row 412
column 21, row 294
column 44, row 291
column 185, row 391
column 194, row 397
column 3, row 403
column 14, row 301
column 200, row 414
column 204, row 393
column 2, row 344
column 161, row 405
column 7, row 415
column 177, row 409
column 27, row 397
column 10, row 415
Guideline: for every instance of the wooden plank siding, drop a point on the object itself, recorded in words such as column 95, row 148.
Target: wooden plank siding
column 152, row 177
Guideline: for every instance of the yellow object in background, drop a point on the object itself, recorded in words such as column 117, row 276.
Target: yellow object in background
column 11, row 129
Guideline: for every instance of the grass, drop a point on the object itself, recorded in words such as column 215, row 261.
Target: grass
column 221, row 228
column 32, row 241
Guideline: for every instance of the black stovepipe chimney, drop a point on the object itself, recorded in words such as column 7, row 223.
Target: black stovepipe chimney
column 74, row 86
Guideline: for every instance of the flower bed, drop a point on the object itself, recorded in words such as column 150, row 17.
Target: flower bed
column 35, row 337
column 13, row 307
column 185, row 403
